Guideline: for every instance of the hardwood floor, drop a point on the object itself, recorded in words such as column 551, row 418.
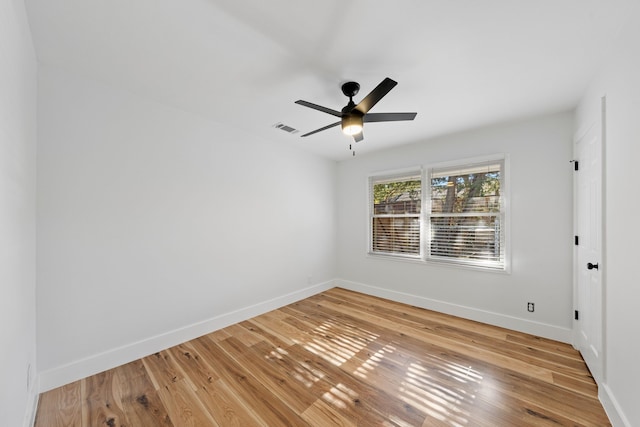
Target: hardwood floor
column 340, row 358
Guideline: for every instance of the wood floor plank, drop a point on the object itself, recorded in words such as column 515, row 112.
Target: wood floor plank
column 146, row 410
column 197, row 371
column 345, row 359
column 226, row 407
column 247, row 387
column 262, row 360
column 102, row 403
column 399, row 311
column 61, row 407
column 183, row 405
column 274, row 321
column 162, row 368
column 584, row 385
column 140, row 401
column 327, row 382
column 243, row 334
column 219, row 335
column 321, row 413
column 552, row 347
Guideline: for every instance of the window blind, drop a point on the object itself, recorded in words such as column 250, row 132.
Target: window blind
column 395, row 207
column 466, row 214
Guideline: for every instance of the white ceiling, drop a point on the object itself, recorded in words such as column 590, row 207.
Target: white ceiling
column 460, row 64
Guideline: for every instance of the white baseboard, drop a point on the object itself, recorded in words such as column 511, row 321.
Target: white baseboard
column 32, row 405
column 497, row 319
column 92, row 365
column 611, row 407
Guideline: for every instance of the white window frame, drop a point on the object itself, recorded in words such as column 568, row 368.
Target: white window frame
column 399, row 174
column 502, row 265
column 425, row 214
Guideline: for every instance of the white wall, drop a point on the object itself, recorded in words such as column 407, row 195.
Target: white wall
column 619, row 81
column 17, row 215
column 156, row 225
column 541, row 230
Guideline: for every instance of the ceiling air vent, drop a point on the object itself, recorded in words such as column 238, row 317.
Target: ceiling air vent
column 286, row 128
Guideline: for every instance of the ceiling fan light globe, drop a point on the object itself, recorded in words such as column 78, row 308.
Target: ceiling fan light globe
column 352, row 125
column 352, row 130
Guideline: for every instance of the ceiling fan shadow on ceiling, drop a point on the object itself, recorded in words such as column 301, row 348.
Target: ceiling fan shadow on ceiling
column 353, row 117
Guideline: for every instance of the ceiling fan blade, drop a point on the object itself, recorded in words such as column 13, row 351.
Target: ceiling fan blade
column 358, row 137
column 375, row 95
column 388, row 117
column 319, row 108
column 321, row 129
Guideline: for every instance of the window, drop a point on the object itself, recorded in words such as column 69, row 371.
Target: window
column 395, row 207
column 466, row 218
column 460, row 221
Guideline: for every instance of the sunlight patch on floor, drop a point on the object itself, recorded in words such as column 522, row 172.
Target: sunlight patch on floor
column 373, row 361
column 339, row 395
column 307, row 375
column 338, row 343
column 436, row 394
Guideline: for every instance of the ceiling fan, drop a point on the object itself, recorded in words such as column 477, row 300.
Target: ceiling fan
column 352, row 116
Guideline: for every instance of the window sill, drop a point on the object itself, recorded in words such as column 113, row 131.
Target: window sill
column 437, row 263
column 388, row 257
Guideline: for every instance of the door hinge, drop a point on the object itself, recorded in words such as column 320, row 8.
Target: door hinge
column 575, row 164
column 576, row 316
column 575, row 240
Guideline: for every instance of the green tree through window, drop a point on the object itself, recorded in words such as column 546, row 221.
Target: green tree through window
column 395, row 219
column 462, row 221
column 465, row 219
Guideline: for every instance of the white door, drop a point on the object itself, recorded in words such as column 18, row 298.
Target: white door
column 588, row 255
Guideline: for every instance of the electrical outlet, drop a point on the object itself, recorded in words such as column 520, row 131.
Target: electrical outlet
column 530, row 307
